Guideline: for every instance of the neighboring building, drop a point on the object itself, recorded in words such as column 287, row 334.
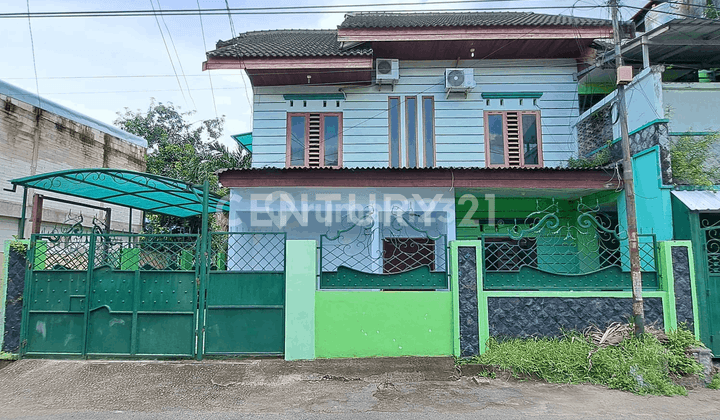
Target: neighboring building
column 421, row 153
column 675, row 93
column 38, row 136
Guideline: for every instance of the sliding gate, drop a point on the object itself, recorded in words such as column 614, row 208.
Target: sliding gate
column 102, row 295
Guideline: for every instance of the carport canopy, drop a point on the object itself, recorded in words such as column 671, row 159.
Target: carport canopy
column 137, row 190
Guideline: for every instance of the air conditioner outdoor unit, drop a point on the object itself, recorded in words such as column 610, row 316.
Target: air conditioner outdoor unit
column 387, row 70
column 459, row 80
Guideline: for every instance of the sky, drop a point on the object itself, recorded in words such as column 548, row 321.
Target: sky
column 101, row 65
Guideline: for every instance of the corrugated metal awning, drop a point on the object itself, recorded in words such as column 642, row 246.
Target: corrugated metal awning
column 699, row 200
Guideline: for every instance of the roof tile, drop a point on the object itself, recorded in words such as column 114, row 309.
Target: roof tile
column 421, row 20
column 286, row 43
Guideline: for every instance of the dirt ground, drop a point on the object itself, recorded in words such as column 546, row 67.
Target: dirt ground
column 402, row 388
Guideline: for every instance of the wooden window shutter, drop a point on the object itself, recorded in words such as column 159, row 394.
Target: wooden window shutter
column 313, row 148
column 513, row 138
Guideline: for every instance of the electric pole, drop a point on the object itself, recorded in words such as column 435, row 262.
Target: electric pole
column 633, row 243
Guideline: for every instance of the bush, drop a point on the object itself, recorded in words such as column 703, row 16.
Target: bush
column 688, row 157
column 715, row 383
column 642, row 365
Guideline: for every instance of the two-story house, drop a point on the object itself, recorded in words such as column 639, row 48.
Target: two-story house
column 399, row 144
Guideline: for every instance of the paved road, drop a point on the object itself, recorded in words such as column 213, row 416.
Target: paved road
column 398, row 389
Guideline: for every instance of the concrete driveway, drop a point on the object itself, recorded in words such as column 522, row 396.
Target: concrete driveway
column 402, row 388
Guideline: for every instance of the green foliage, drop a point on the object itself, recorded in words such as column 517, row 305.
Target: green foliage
column 183, row 150
column 715, row 383
column 16, row 245
column 678, row 341
column 600, row 158
column 711, row 11
column 688, row 159
column 8, row 356
column 642, row 365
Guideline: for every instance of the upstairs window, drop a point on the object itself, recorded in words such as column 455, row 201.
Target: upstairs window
column 314, row 139
column 411, row 131
column 512, row 138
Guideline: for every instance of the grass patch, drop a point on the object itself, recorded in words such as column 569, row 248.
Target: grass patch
column 8, row 356
column 715, row 383
column 642, row 365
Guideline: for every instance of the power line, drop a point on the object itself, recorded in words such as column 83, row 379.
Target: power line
column 143, row 76
column 242, row 77
column 168, row 53
column 232, row 26
column 278, row 10
column 212, row 91
column 176, row 55
column 672, row 13
column 32, row 48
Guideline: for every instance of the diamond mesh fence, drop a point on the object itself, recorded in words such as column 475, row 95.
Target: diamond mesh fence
column 247, row 252
column 60, row 251
column 120, row 252
column 565, row 251
column 146, row 252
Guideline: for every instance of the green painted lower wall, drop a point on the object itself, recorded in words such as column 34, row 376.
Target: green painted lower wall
column 300, row 300
column 383, row 324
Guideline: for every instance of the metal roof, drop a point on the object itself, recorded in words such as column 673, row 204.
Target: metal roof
column 692, row 43
column 54, row 108
column 699, row 200
column 137, row 190
column 680, row 41
column 452, row 19
column 405, row 169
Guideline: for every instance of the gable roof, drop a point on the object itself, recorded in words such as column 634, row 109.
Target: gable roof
column 286, row 43
column 426, row 20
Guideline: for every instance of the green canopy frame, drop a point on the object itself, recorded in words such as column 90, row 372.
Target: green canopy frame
column 136, row 190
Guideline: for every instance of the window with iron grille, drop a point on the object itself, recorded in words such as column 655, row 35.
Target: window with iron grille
column 405, row 254
column 513, row 138
column 314, row 139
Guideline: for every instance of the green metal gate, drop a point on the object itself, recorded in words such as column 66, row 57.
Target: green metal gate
column 99, row 295
column 711, row 251
column 245, row 294
column 111, row 295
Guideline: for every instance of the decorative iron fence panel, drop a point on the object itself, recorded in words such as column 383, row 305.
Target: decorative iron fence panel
column 393, row 250
column 710, row 228
column 547, row 250
column 712, row 243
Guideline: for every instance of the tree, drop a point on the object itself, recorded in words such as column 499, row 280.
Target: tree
column 177, row 148
column 712, row 11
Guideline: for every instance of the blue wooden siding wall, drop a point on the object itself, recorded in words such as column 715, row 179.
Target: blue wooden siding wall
column 458, row 121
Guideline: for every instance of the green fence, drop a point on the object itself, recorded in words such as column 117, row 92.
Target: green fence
column 99, row 295
column 102, row 295
column 388, row 251
column 549, row 251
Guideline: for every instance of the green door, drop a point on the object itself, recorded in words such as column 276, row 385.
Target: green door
column 245, row 313
column 245, row 294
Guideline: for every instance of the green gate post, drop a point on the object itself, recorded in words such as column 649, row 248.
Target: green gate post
column 30, row 267
column 205, row 239
column 88, row 283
